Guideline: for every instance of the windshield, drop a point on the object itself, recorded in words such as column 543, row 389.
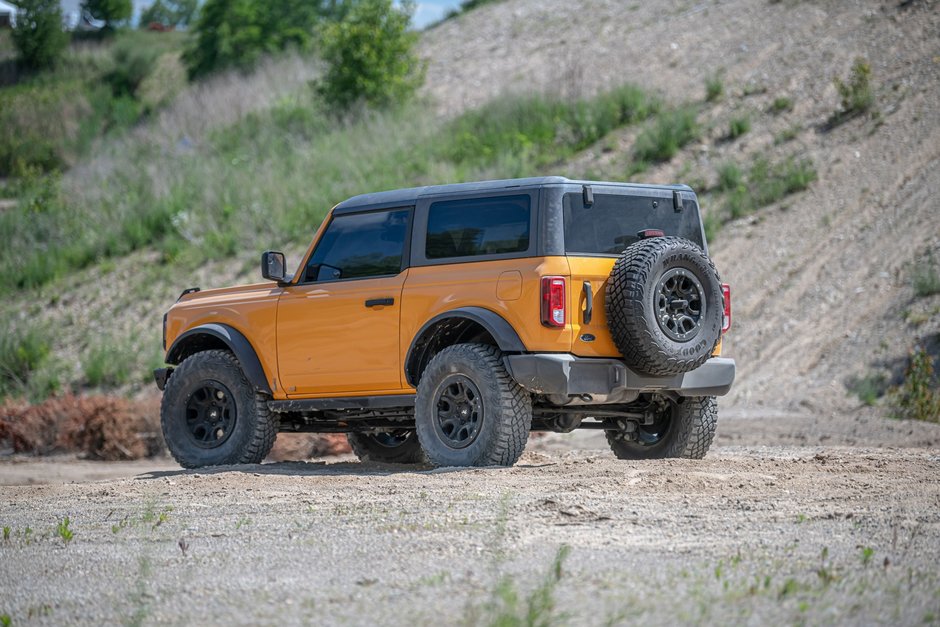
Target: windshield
column 613, row 221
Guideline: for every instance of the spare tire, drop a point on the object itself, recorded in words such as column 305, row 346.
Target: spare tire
column 664, row 306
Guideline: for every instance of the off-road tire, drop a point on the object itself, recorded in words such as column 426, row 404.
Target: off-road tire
column 506, row 408
column 368, row 449
column 254, row 429
column 630, row 304
column 691, row 431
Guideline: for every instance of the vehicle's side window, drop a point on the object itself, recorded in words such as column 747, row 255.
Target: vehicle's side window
column 358, row 246
column 478, row 226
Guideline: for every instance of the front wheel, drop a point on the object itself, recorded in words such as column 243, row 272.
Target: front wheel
column 469, row 411
column 212, row 415
column 683, row 428
column 393, row 447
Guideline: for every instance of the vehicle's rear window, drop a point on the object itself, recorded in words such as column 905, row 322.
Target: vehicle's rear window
column 613, row 221
column 478, row 226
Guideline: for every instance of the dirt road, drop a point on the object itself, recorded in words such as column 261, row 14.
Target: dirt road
column 753, row 534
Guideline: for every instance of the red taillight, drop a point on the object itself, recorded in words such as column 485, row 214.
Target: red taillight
column 726, row 295
column 553, row 301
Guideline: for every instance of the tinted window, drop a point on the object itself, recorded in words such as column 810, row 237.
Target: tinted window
column 478, row 226
column 613, row 221
column 360, row 245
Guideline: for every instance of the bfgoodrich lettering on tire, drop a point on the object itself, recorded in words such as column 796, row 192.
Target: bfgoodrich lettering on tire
column 211, row 414
column 664, row 306
column 469, row 411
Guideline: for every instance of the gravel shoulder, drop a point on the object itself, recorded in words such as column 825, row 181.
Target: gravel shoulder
column 752, row 534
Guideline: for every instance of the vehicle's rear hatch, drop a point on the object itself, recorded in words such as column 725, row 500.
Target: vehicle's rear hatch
column 596, row 234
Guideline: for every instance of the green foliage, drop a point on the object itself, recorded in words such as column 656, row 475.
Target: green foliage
column 918, row 397
column 671, row 131
column 714, row 87
column 538, row 608
column 730, row 177
column 781, row 104
column 739, row 126
column 108, row 365
column 767, row 183
column 24, row 351
column 132, row 64
column 62, row 530
column 869, row 388
column 170, row 13
column 370, row 56
column 38, row 35
column 111, row 11
column 856, row 93
column 926, row 278
column 544, row 129
column 236, row 33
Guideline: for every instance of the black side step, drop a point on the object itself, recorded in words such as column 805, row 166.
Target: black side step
column 347, row 402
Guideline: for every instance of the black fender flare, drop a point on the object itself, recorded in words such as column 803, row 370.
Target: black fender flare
column 502, row 332
column 233, row 340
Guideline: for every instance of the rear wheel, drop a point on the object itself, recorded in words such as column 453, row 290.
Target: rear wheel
column 469, row 411
column 392, row 447
column 683, row 428
column 211, row 414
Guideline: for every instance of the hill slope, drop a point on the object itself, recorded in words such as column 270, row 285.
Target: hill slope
column 822, row 280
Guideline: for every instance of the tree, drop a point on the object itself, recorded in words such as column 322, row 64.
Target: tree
column 38, row 35
column 238, row 32
column 169, row 13
column 370, row 56
column 111, row 11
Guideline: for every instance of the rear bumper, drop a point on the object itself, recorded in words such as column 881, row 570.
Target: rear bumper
column 569, row 375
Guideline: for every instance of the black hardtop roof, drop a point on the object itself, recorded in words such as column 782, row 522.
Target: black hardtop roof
column 411, row 194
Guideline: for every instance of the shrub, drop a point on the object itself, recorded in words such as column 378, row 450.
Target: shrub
column 132, row 64
column 714, row 87
column 918, row 398
column 767, row 183
column 238, row 32
column 111, row 11
column 739, row 126
column 370, row 56
column 671, row 131
column 169, row 13
column 38, row 35
column 869, row 388
column 856, row 93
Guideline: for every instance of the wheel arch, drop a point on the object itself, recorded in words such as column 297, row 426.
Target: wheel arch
column 220, row 336
column 465, row 324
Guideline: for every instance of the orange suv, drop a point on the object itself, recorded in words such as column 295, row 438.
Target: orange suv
column 442, row 324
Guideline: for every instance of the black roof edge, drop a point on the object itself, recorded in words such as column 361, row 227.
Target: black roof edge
column 408, row 196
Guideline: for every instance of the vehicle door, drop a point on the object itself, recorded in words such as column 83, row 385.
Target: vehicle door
column 337, row 327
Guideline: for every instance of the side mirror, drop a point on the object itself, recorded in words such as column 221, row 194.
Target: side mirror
column 273, row 265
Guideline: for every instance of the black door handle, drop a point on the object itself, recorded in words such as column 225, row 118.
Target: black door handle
column 588, row 302
column 379, row 302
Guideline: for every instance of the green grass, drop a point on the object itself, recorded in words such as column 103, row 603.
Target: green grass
column 714, row 87
column 670, row 131
column 537, row 608
column 869, row 388
column 730, row 177
column 926, row 278
column 781, row 104
column 787, row 134
column 27, row 368
column 63, row 531
column 856, row 92
column 108, row 365
column 739, row 126
column 918, row 397
column 269, row 179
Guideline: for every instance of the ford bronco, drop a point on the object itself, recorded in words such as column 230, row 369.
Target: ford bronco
column 442, row 324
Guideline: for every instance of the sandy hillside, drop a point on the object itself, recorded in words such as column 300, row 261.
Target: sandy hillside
column 821, row 280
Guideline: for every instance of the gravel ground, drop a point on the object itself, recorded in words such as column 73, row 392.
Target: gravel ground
column 753, row 534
